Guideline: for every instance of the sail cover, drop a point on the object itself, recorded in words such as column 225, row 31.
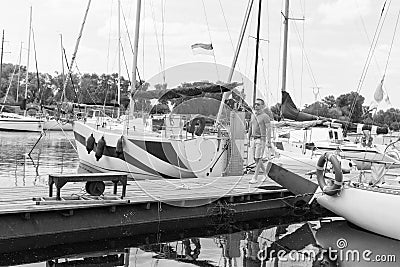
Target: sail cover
column 290, row 111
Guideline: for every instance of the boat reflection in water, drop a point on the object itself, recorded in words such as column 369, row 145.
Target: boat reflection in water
column 314, row 243
column 103, row 259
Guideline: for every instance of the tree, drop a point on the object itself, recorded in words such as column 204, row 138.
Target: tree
column 317, row 108
column 351, row 105
column 329, row 101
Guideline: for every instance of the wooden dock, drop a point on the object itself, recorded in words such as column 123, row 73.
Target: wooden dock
column 30, row 219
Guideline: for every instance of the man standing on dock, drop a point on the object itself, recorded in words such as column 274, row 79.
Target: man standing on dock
column 260, row 131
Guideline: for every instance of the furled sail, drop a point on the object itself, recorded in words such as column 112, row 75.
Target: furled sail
column 290, row 111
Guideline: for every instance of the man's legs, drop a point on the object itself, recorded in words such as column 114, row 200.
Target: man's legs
column 258, row 154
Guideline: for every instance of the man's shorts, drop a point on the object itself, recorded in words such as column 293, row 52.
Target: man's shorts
column 258, row 148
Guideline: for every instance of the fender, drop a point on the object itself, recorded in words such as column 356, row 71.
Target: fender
column 90, row 143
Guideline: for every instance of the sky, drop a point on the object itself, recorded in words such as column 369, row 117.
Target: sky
column 329, row 41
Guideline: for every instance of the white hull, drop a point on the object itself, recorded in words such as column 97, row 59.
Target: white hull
column 152, row 157
column 375, row 211
column 25, row 124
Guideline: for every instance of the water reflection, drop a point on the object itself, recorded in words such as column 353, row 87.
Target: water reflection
column 54, row 153
column 314, row 243
column 103, row 259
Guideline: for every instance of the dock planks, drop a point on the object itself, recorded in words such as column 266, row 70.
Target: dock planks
column 20, row 199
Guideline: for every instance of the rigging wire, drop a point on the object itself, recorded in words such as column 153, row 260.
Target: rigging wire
column 280, row 49
column 302, row 51
column 247, row 69
column 66, row 80
column 157, row 41
column 162, row 36
column 391, row 44
column 126, row 65
column 9, row 86
column 308, row 64
column 37, row 70
column 374, row 42
column 109, row 38
column 129, row 39
column 268, row 55
column 229, row 34
column 209, row 34
column 143, row 42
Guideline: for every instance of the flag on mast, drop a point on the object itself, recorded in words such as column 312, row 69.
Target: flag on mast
column 202, row 49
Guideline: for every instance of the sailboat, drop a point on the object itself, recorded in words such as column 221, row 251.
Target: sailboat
column 26, row 123
column 326, row 135
column 15, row 122
column 184, row 148
column 312, row 135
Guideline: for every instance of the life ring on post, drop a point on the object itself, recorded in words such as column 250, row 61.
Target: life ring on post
column 200, row 129
column 334, row 188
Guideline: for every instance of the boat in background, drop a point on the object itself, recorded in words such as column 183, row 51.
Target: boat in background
column 312, row 135
column 367, row 199
column 15, row 122
column 37, row 123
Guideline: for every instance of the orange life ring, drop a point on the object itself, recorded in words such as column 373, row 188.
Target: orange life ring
column 334, row 188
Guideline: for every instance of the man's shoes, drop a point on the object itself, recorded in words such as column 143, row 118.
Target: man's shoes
column 252, row 181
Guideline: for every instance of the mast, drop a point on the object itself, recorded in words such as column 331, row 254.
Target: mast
column 62, row 59
column 135, row 56
column 19, row 72
column 27, row 63
column 119, row 59
column 1, row 57
column 257, row 48
column 76, row 47
column 235, row 57
column 285, row 44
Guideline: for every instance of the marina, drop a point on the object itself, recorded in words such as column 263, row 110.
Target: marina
column 164, row 152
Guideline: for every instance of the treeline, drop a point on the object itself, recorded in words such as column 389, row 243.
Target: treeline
column 47, row 89
column 351, row 105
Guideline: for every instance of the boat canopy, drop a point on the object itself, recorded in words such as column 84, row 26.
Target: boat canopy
column 167, row 94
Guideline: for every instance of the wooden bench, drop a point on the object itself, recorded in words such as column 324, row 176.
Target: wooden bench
column 59, row 180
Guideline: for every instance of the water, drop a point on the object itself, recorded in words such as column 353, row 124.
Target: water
column 54, row 153
column 314, row 243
